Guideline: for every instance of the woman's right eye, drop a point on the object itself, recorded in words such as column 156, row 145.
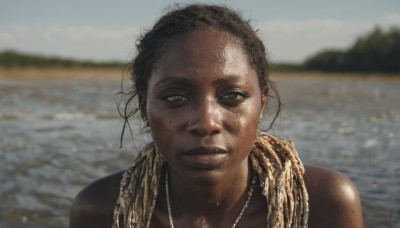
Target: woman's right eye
column 175, row 98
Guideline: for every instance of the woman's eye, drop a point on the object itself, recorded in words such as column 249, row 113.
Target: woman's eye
column 175, row 98
column 234, row 95
column 233, row 98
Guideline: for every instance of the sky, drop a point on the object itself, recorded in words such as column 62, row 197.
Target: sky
column 101, row 30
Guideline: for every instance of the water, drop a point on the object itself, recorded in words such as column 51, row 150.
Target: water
column 57, row 136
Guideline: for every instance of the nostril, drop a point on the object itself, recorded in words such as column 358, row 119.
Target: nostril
column 204, row 130
column 205, row 120
column 198, row 130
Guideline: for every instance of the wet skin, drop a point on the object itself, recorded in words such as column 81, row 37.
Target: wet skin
column 334, row 202
column 203, row 105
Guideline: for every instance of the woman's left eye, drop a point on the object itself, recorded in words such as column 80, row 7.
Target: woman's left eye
column 233, row 96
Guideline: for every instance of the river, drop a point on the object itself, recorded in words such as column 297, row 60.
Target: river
column 56, row 136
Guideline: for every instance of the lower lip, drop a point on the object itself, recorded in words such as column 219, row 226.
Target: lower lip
column 205, row 161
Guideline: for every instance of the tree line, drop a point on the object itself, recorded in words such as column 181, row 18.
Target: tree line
column 376, row 51
column 12, row 58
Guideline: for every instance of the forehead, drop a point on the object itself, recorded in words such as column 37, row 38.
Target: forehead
column 206, row 47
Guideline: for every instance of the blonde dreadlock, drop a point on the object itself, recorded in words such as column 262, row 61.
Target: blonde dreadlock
column 274, row 159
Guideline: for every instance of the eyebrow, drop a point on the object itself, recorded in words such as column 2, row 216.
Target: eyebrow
column 228, row 78
column 173, row 80
column 186, row 81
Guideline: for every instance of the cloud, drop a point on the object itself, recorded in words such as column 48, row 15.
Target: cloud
column 286, row 40
column 76, row 42
column 389, row 19
column 294, row 40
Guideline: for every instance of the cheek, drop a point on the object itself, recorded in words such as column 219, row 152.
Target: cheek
column 162, row 133
column 165, row 126
column 249, row 122
column 246, row 120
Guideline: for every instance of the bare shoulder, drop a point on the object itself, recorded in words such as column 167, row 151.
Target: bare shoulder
column 334, row 199
column 94, row 205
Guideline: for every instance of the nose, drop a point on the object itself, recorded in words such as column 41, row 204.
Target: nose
column 205, row 119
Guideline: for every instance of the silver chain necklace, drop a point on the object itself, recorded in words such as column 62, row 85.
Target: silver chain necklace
column 249, row 194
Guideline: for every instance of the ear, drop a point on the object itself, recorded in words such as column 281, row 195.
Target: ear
column 264, row 98
column 143, row 105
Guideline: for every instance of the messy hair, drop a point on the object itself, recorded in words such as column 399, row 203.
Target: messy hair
column 179, row 21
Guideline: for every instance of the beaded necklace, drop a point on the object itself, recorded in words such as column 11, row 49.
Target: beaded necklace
column 274, row 162
column 249, row 194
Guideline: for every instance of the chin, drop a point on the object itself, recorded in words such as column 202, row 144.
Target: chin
column 205, row 178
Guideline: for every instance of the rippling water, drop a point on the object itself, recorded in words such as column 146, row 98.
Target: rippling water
column 57, row 136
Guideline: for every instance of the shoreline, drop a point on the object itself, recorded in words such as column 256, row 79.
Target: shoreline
column 315, row 76
column 56, row 73
column 32, row 74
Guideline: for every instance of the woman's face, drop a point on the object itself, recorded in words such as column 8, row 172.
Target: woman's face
column 203, row 105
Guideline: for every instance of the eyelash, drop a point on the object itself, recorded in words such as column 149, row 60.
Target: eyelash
column 233, row 98
column 175, row 98
column 230, row 98
column 241, row 94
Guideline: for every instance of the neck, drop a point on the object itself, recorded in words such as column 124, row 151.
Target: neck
column 221, row 200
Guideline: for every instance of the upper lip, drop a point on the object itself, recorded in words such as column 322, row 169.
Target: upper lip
column 206, row 150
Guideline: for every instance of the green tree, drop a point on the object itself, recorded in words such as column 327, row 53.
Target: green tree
column 377, row 51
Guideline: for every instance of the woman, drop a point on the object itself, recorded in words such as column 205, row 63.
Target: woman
column 201, row 77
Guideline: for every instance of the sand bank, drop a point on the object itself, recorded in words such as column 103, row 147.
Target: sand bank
column 118, row 73
column 315, row 76
column 62, row 73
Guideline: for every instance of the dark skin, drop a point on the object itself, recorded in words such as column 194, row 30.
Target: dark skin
column 203, row 106
column 334, row 202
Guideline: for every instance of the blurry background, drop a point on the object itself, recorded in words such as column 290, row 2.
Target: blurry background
column 336, row 64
